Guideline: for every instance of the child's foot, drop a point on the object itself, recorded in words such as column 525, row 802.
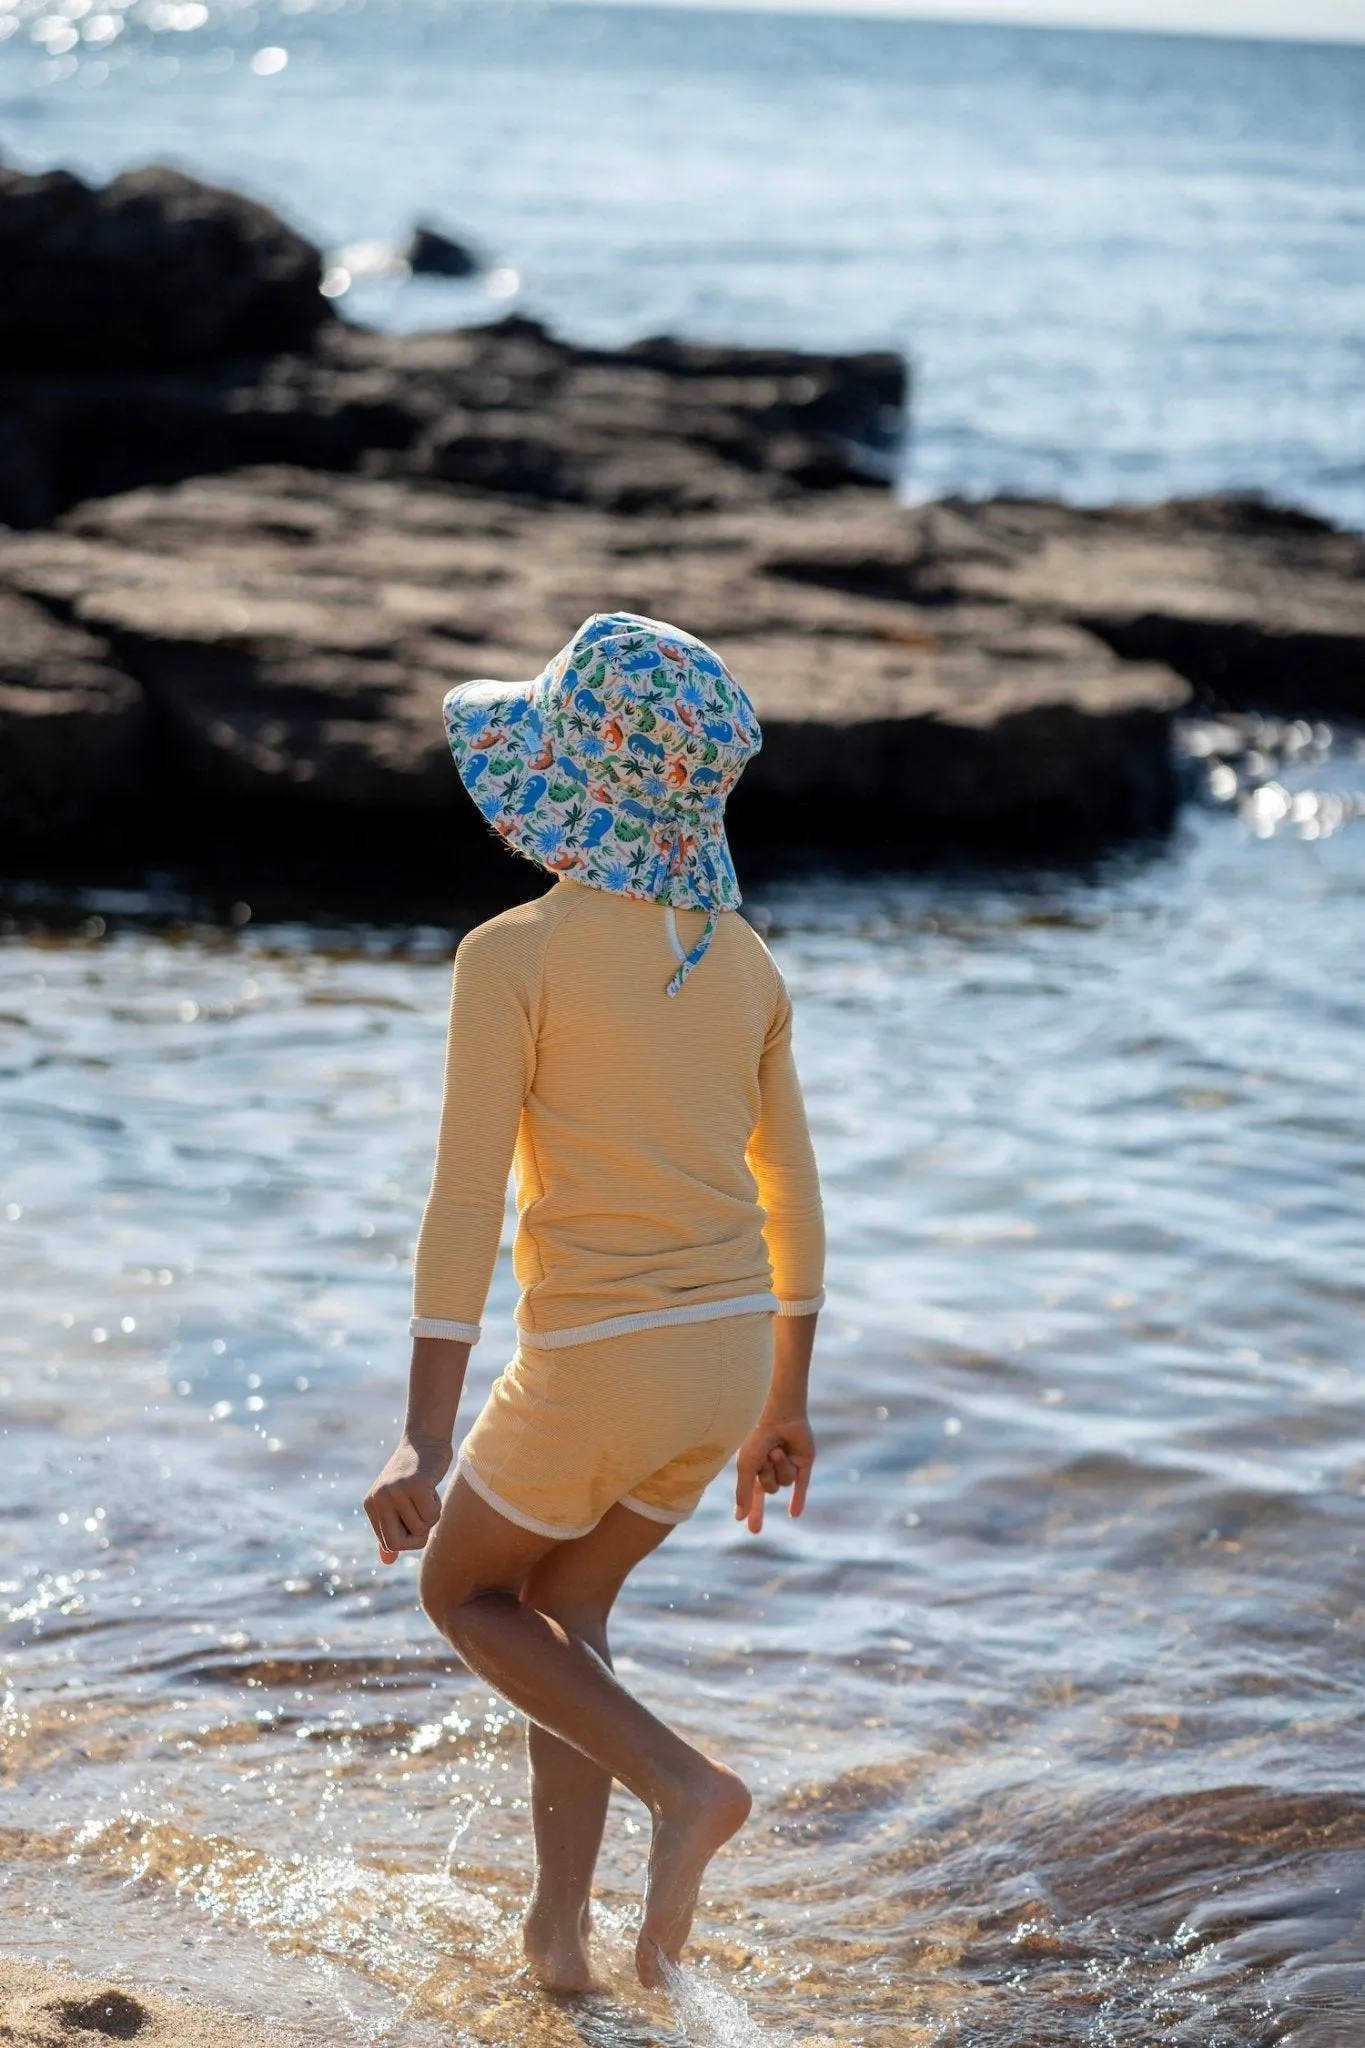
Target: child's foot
column 558, row 1954
column 684, row 1842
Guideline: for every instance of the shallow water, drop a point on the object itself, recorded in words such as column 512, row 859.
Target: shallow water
column 1053, row 1702
column 1124, row 266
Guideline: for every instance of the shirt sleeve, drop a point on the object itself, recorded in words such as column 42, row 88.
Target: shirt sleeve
column 782, row 1161
column 489, row 1067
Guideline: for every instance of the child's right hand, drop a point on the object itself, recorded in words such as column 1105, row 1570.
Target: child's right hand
column 776, row 1453
column 403, row 1504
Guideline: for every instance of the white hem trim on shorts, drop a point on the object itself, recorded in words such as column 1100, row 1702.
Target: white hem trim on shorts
column 652, row 1319
column 464, row 1469
column 803, row 1308
column 669, row 1516
column 440, row 1326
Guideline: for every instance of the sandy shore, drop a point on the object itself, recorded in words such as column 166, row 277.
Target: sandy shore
column 47, row 2008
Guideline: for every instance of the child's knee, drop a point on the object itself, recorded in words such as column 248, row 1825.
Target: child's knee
column 442, row 1594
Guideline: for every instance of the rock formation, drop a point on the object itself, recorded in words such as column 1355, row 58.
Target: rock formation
column 1258, row 606
column 251, row 546
column 151, row 272
column 292, row 634
column 506, row 407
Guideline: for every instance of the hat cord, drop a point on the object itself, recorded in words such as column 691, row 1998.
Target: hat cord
column 690, row 960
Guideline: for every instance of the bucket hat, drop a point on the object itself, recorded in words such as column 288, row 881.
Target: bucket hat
column 614, row 765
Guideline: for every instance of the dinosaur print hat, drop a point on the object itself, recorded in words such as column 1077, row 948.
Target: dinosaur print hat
column 613, row 766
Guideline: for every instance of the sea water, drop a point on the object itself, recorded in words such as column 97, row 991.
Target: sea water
column 1051, row 1703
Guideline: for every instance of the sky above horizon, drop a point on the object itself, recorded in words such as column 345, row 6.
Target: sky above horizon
column 1297, row 20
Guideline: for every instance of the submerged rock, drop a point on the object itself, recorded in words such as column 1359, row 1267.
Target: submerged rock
column 432, row 254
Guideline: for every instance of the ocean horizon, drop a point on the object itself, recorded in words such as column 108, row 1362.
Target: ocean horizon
column 1123, row 266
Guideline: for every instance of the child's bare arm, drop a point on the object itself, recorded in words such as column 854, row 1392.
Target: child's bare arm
column 403, row 1504
column 780, row 1448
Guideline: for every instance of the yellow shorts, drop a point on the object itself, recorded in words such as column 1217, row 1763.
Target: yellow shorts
column 646, row 1419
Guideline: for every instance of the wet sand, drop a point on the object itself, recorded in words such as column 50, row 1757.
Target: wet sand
column 50, row 2008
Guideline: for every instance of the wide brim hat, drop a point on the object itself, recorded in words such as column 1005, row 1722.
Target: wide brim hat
column 613, row 765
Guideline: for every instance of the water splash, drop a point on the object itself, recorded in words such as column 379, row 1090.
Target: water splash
column 712, row 2017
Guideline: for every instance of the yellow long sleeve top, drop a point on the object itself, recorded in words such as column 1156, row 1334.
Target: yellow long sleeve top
column 663, row 1167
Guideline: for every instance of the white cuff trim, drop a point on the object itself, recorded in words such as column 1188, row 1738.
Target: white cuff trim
column 465, row 1471
column 438, row 1326
column 649, row 1319
column 803, row 1308
column 669, row 1516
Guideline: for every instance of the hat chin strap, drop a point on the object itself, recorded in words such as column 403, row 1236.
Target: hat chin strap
column 687, row 961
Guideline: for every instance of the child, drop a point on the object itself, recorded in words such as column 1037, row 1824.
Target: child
column 625, row 1040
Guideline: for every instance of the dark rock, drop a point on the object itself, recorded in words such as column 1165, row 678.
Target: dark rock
column 153, row 271
column 74, row 740
column 506, row 408
column 294, row 634
column 432, row 254
column 1260, row 607
column 851, row 407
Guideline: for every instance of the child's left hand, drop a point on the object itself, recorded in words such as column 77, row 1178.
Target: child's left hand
column 775, row 1454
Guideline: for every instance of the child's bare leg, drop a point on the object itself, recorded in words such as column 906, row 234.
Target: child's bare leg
column 576, row 1584
column 569, row 1796
column 475, row 1564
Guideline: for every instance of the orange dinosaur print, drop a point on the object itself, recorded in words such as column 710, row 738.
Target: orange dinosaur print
column 612, row 735
column 564, row 863
column 545, row 758
column 676, row 773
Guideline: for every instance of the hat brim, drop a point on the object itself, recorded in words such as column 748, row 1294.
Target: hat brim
column 484, row 719
column 494, row 726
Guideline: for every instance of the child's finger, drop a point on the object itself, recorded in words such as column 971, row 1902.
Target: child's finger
column 389, row 1530
column 408, row 1514
column 755, row 1517
column 800, row 1490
